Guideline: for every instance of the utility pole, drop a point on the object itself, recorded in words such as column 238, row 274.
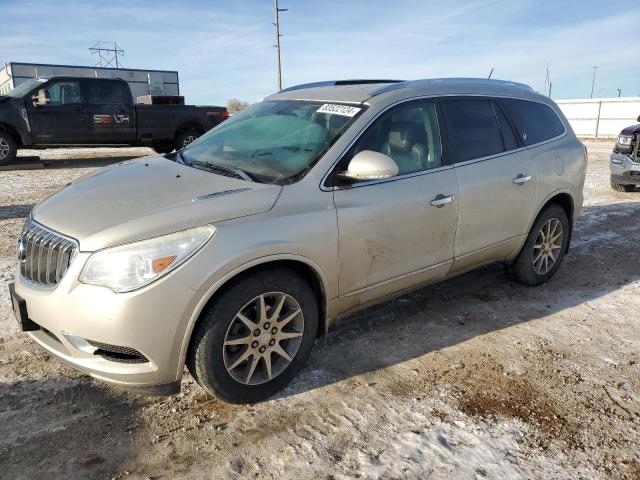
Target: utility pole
column 277, row 45
column 593, row 82
column 619, row 92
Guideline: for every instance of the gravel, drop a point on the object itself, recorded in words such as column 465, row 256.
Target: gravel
column 476, row 377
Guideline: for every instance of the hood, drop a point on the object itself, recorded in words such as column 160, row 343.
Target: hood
column 631, row 130
column 147, row 197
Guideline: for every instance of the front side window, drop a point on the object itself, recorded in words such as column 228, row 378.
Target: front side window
column 26, row 87
column 274, row 141
column 535, row 122
column 408, row 133
column 472, row 128
column 64, row 93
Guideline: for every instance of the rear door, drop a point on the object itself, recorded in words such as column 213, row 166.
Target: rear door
column 397, row 232
column 111, row 112
column 497, row 180
column 63, row 119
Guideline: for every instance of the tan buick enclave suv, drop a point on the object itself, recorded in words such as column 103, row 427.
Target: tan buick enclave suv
column 235, row 254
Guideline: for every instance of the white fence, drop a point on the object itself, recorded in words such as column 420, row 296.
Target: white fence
column 600, row 117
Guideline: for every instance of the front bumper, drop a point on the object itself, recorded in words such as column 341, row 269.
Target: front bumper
column 623, row 170
column 151, row 321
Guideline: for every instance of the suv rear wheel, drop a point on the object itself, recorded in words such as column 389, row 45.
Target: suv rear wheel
column 544, row 248
column 253, row 339
column 8, row 148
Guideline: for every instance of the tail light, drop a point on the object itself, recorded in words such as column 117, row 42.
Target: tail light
column 225, row 115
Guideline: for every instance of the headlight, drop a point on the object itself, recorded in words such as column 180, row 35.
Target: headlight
column 134, row 265
column 625, row 140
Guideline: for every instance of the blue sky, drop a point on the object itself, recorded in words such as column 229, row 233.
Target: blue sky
column 223, row 49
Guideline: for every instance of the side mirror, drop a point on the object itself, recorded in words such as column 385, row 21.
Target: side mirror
column 41, row 99
column 370, row 165
column 638, row 118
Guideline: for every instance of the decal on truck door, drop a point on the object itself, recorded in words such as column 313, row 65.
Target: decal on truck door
column 105, row 119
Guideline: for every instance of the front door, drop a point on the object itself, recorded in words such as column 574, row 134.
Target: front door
column 397, row 232
column 63, row 119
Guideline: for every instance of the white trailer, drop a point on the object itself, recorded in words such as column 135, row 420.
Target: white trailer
column 142, row 82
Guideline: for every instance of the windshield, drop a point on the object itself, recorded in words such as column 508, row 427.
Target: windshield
column 26, row 87
column 273, row 141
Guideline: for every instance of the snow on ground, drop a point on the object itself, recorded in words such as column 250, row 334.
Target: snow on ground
column 477, row 377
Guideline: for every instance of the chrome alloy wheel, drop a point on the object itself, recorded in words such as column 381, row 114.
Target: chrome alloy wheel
column 546, row 250
column 4, row 149
column 263, row 338
column 188, row 140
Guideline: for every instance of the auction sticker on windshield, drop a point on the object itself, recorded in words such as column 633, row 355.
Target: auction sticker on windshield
column 333, row 109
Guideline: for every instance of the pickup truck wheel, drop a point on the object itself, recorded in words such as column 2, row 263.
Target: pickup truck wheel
column 254, row 338
column 162, row 147
column 622, row 188
column 544, row 249
column 185, row 138
column 8, row 148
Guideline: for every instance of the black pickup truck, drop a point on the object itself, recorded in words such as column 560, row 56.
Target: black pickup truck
column 75, row 111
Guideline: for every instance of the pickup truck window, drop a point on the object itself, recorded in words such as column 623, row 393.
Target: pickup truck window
column 64, row 93
column 105, row 92
column 25, row 87
column 274, row 141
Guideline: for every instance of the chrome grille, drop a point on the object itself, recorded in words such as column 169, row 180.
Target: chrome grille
column 44, row 255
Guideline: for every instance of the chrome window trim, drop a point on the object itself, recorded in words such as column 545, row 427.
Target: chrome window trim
column 451, row 166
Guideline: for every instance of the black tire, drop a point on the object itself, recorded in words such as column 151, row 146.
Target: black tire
column 8, row 148
column 622, row 188
column 185, row 138
column 205, row 358
column 522, row 269
column 162, row 148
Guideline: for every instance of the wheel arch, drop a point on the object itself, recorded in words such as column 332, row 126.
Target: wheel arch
column 189, row 125
column 563, row 199
column 13, row 132
column 307, row 268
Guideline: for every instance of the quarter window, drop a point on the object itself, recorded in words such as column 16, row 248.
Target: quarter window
column 472, row 128
column 407, row 133
column 535, row 122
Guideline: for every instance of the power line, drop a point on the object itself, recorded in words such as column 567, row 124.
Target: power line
column 107, row 54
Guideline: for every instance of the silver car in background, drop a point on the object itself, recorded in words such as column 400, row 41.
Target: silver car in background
column 235, row 254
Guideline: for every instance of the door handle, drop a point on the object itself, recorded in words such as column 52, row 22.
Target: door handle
column 521, row 179
column 442, row 200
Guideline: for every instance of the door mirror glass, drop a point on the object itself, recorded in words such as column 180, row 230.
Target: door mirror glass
column 370, row 165
column 41, row 99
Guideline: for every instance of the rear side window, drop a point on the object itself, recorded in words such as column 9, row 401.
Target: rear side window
column 535, row 122
column 472, row 128
column 103, row 92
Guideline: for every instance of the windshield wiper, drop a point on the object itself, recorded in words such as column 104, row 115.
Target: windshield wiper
column 220, row 169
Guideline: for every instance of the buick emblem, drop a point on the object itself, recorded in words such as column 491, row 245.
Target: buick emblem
column 21, row 250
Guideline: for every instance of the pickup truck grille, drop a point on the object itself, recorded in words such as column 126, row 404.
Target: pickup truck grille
column 44, row 255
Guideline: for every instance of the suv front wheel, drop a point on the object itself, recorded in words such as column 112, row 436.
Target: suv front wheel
column 253, row 338
column 544, row 249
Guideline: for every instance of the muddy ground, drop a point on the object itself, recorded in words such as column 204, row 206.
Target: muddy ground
column 477, row 377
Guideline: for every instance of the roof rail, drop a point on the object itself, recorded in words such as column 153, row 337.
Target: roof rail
column 451, row 81
column 331, row 83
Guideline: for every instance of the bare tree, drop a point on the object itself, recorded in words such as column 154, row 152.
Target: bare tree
column 234, row 105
